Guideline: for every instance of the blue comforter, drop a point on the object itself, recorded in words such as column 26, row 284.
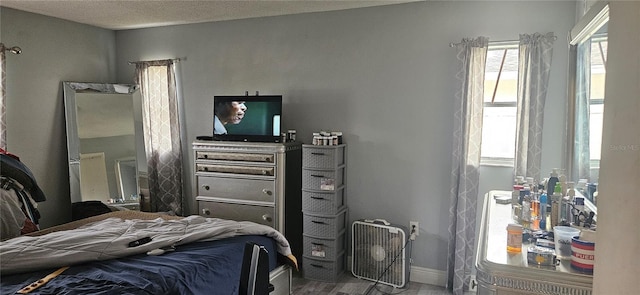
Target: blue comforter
column 210, row 267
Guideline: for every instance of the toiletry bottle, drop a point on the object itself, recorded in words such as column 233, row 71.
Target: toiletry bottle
column 556, row 199
column 570, row 197
column 543, row 211
column 525, row 217
column 535, row 211
column 516, row 206
column 514, row 238
column 551, row 183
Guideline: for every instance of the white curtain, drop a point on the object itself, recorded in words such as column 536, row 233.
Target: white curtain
column 467, row 138
column 161, row 134
column 534, row 65
column 3, row 99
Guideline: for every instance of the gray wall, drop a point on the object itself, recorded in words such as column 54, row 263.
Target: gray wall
column 382, row 75
column 53, row 51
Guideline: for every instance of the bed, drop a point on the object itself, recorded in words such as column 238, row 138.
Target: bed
column 131, row 252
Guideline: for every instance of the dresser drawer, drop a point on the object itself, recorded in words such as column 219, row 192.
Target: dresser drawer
column 322, row 157
column 240, row 212
column 323, row 225
column 235, row 157
column 326, row 180
column 326, row 249
column 236, row 169
column 322, row 201
column 236, row 188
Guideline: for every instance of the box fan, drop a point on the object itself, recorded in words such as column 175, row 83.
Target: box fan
column 380, row 252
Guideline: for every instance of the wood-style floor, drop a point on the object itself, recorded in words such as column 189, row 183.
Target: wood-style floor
column 350, row 285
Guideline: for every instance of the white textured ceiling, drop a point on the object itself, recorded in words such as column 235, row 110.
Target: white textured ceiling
column 134, row 14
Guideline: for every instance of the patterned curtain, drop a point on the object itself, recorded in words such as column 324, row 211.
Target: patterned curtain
column 3, row 99
column 581, row 152
column 161, row 134
column 534, row 65
column 467, row 137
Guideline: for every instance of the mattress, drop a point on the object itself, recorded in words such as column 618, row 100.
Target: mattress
column 208, row 267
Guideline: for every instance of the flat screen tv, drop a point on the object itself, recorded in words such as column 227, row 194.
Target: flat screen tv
column 247, row 118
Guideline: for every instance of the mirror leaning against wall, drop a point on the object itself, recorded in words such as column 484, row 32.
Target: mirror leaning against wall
column 105, row 145
column 587, row 71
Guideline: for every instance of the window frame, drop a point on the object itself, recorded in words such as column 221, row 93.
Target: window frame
column 500, row 161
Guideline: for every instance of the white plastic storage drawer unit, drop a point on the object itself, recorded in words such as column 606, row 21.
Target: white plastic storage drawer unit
column 323, row 157
column 322, row 270
column 323, row 201
column 323, row 248
column 324, row 211
column 324, row 225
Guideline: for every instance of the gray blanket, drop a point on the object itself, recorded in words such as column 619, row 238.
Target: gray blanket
column 110, row 238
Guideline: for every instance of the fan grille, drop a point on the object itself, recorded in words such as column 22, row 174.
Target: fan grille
column 374, row 247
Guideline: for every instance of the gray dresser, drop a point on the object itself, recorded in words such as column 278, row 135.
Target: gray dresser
column 259, row 182
column 324, row 211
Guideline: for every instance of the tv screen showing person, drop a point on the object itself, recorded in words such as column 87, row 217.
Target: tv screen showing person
column 227, row 112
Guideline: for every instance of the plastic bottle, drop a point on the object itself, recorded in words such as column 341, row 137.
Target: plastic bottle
column 516, row 206
column 543, row 211
column 551, row 183
column 535, row 211
column 525, row 217
column 514, row 238
column 556, row 199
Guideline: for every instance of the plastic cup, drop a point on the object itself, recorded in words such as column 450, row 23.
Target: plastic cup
column 562, row 236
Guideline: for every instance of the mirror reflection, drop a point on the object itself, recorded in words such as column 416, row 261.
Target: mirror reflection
column 588, row 49
column 101, row 137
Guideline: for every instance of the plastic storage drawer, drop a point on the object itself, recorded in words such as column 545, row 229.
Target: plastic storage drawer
column 323, row 225
column 321, row 270
column 325, row 180
column 323, row 201
column 321, row 248
column 320, row 157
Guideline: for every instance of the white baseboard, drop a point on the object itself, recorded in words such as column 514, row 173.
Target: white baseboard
column 421, row 275
column 428, row 276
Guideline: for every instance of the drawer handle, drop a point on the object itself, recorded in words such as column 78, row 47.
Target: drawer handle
column 317, row 175
column 206, row 211
column 318, row 222
column 267, row 192
column 317, row 244
column 205, row 156
column 206, row 187
column 318, row 198
column 319, row 154
column 206, row 169
column 267, row 218
column 316, row 265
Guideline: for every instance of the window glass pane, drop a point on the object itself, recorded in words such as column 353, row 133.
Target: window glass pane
column 598, row 68
column 499, row 122
column 595, row 130
column 506, row 91
column 499, row 132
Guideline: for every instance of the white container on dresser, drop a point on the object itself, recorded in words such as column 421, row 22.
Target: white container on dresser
column 258, row 182
column 324, row 211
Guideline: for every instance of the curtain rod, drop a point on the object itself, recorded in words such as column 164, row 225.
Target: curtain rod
column 503, row 42
column 171, row 59
column 13, row 49
column 498, row 43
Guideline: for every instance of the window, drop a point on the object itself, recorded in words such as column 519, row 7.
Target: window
column 500, row 97
column 596, row 97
